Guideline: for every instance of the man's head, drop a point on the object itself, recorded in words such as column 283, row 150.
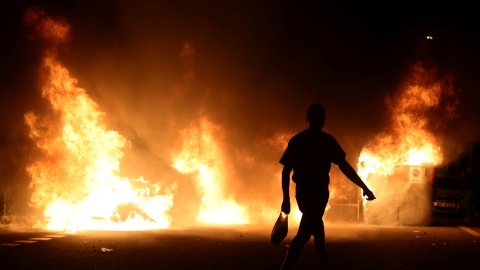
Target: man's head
column 316, row 115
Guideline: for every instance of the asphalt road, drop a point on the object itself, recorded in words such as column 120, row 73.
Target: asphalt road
column 449, row 246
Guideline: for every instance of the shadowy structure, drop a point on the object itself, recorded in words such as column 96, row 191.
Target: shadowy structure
column 310, row 154
column 471, row 178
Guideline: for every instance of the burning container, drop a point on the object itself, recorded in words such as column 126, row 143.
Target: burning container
column 398, row 162
column 405, row 197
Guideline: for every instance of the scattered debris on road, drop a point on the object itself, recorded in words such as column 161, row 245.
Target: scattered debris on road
column 104, row 250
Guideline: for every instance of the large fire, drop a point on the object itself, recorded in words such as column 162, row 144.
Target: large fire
column 76, row 181
column 406, row 142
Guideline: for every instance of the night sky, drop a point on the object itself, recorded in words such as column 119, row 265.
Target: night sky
column 257, row 65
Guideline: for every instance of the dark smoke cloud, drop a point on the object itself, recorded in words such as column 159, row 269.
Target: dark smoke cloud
column 253, row 69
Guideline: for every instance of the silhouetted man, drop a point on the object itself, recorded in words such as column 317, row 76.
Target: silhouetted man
column 310, row 154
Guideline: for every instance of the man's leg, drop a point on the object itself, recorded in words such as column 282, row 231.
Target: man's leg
column 319, row 234
column 319, row 240
column 299, row 241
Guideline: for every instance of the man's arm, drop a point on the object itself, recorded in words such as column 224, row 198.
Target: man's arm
column 349, row 172
column 286, row 189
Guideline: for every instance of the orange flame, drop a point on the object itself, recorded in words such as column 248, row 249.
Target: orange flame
column 407, row 140
column 77, row 180
column 202, row 156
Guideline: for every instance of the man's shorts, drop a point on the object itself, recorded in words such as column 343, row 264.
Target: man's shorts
column 311, row 203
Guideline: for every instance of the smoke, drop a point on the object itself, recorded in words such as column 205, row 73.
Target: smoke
column 155, row 68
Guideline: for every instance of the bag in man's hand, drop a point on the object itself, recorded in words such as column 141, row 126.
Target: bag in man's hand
column 280, row 230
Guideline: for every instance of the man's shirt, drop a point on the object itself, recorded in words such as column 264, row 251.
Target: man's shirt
column 310, row 154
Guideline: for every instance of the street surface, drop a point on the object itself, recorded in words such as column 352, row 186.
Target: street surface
column 442, row 246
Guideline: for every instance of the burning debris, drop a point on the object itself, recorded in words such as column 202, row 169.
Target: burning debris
column 75, row 178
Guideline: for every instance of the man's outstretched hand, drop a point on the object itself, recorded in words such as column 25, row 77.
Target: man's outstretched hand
column 367, row 192
column 286, row 206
